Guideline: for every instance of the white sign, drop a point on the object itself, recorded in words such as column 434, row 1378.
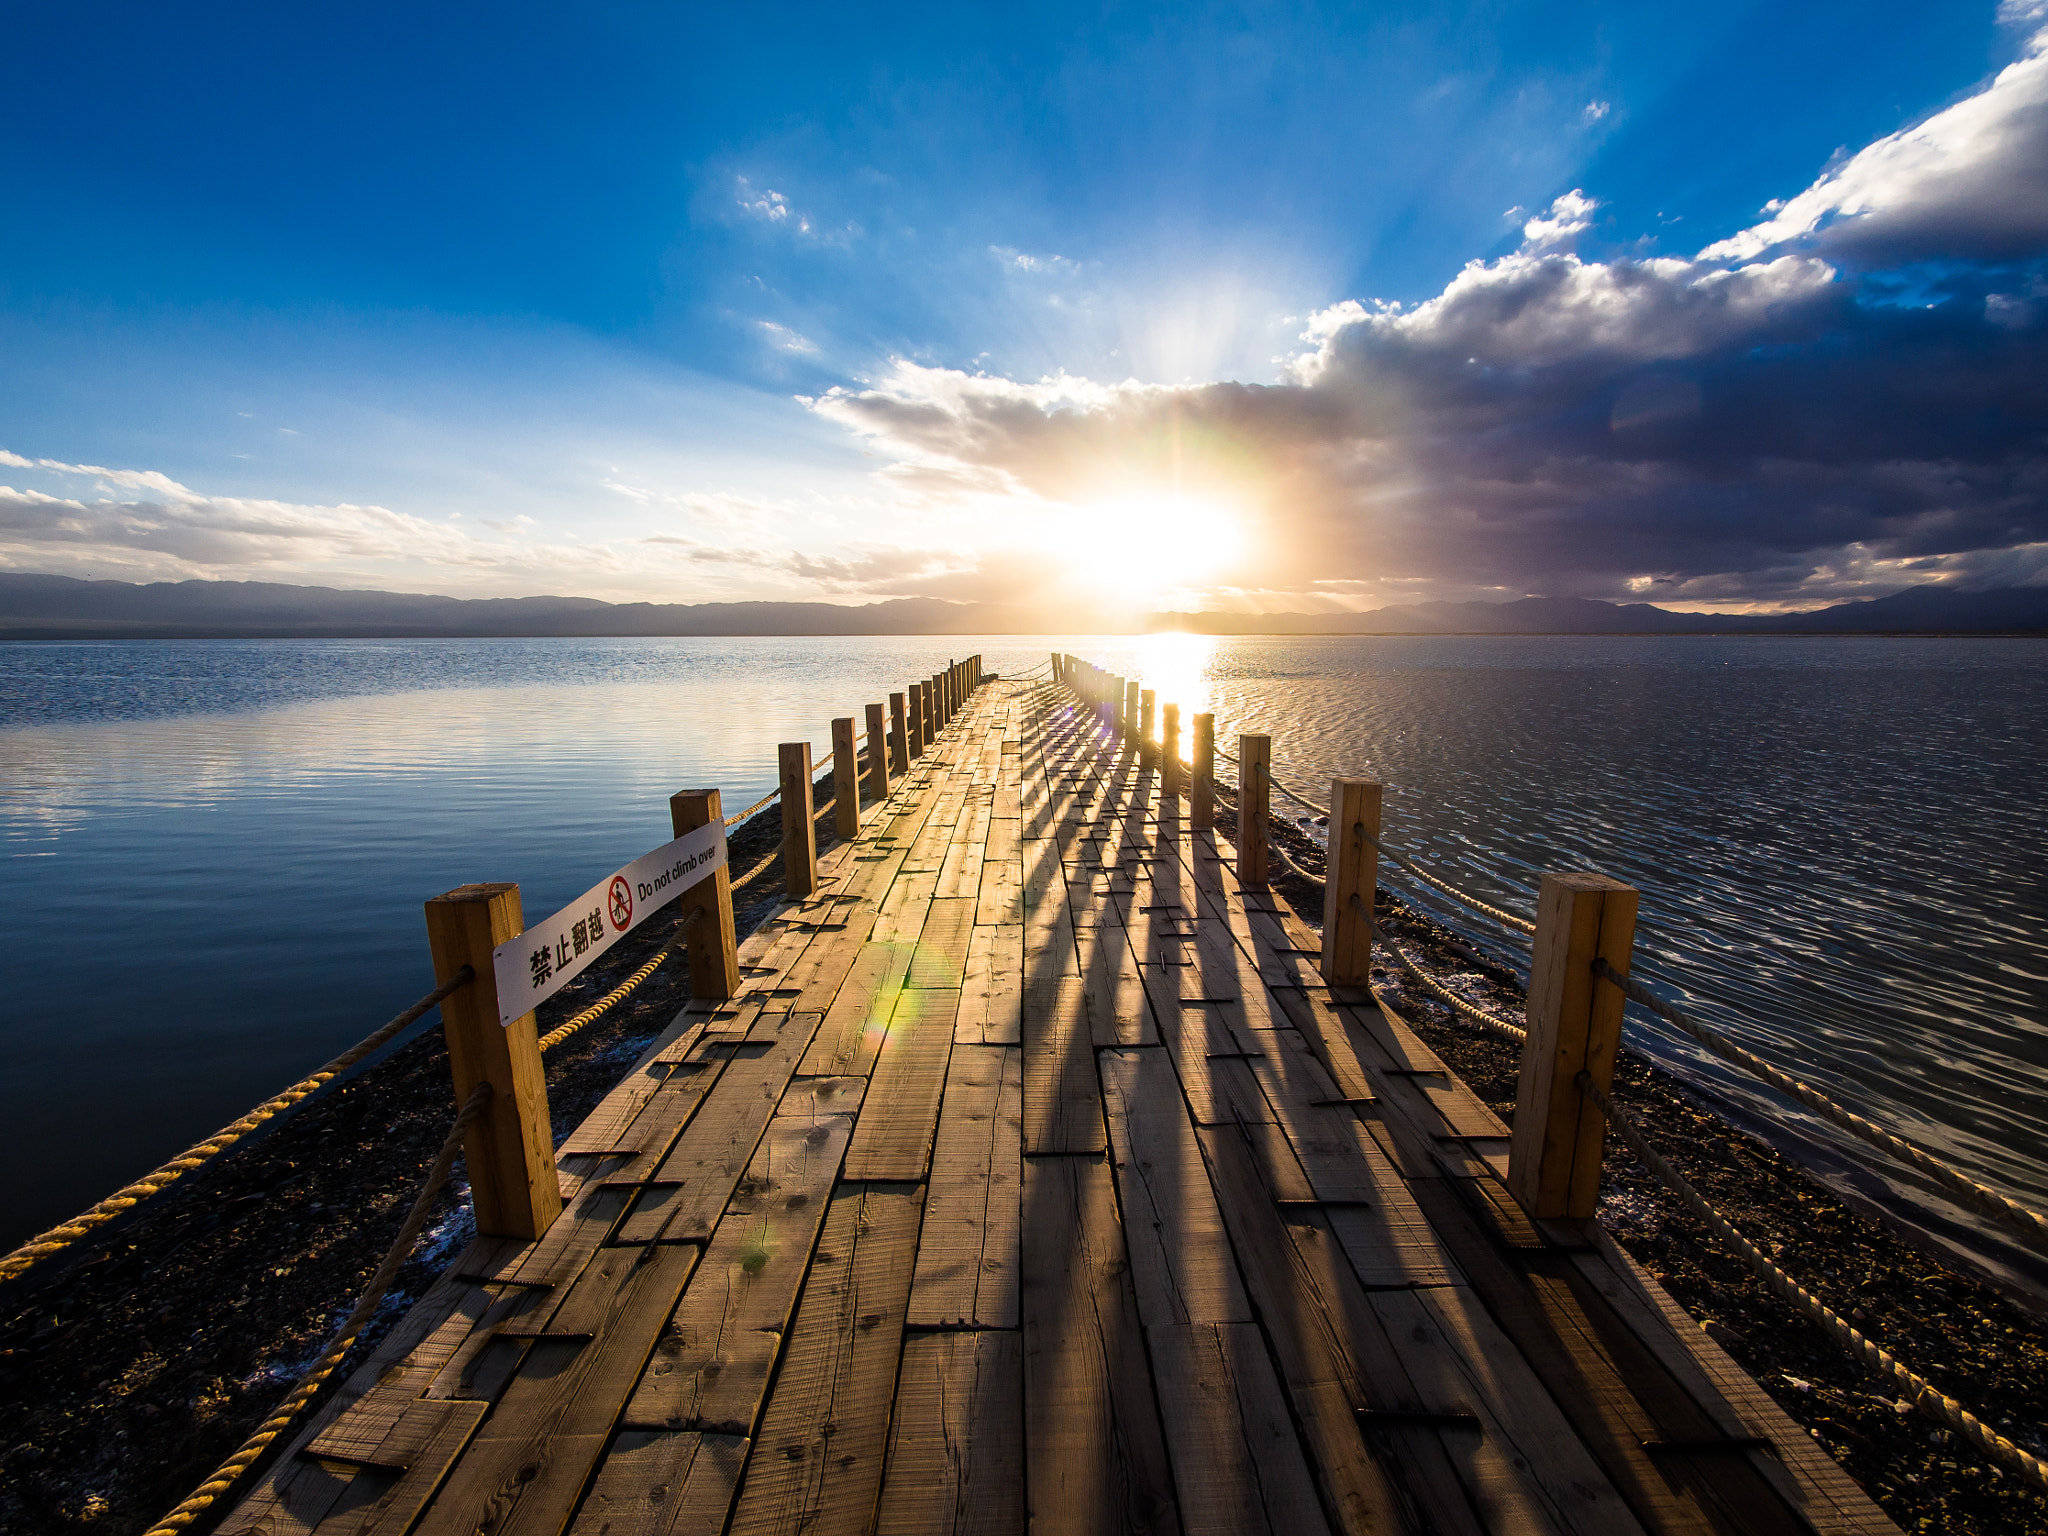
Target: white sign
column 548, row 956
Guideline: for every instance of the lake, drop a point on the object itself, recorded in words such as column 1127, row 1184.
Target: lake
column 215, row 852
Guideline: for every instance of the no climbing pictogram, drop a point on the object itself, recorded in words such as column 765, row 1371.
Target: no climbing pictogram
column 622, row 904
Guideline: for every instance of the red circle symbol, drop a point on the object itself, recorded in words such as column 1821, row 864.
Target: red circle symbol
column 622, row 903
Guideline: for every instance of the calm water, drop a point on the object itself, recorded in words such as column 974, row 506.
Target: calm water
column 215, row 852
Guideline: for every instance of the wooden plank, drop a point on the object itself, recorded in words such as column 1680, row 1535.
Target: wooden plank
column 960, row 875
column 1309, row 1335
column 1114, row 988
column 604, row 1127
column 940, row 960
column 1458, row 1357
column 956, row 1446
column 1238, row 1466
column 825, row 1431
column 1000, row 898
column 854, row 1026
column 893, row 1141
column 385, row 1489
column 1180, row 1255
column 1095, row 1453
column 992, row 996
column 697, row 1177
column 1214, row 1065
column 654, row 1482
column 711, row 1367
column 1808, row 1477
column 1547, row 1329
column 1062, row 1100
column 967, row 1257
column 528, row 1465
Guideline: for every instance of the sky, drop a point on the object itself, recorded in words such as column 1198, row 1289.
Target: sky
column 1267, row 308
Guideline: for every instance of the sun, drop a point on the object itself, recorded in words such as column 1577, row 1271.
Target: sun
column 1158, row 541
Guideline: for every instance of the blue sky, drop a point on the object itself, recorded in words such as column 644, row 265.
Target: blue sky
column 650, row 302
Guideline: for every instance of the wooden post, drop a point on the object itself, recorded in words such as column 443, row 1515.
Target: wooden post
column 1254, row 800
column 1059, row 672
column 1131, row 712
column 510, row 1148
column 1169, row 756
column 1202, row 781
column 799, row 833
column 915, row 740
column 711, row 943
column 1147, row 707
column 899, row 738
column 1353, row 869
column 878, row 754
column 845, row 780
column 1574, row 1027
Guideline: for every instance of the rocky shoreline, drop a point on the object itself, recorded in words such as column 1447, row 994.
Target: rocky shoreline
column 1959, row 1333
column 130, row 1369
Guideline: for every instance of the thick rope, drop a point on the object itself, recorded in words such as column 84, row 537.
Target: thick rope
column 766, row 800
column 1299, row 799
column 621, row 992
column 1285, row 858
column 1492, row 1021
column 229, row 1472
column 1508, row 919
column 1923, row 1394
column 57, row 1239
column 2031, row 1224
column 760, row 868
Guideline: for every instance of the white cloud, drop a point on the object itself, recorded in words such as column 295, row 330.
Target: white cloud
column 781, row 336
column 1970, row 182
column 1023, row 261
column 1569, row 217
column 1595, row 110
column 771, row 206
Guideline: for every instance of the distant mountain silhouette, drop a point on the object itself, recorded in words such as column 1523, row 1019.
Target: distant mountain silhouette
column 61, row 607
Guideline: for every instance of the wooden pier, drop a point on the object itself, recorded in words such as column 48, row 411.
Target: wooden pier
column 1036, row 1179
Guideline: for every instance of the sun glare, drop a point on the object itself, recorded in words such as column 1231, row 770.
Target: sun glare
column 1162, row 541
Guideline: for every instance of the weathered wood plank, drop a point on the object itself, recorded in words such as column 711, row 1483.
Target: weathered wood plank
column 711, row 1367
column 956, row 1446
column 1238, row 1466
column 385, row 1489
column 1095, row 1452
column 992, row 997
column 1180, row 1255
column 1062, row 1100
column 940, row 959
column 527, row 1466
column 824, row 1435
column 967, row 1265
column 855, row 1025
column 697, row 1177
column 893, row 1141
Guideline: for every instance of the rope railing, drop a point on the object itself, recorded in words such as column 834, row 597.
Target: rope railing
column 2031, row 1224
column 1929, row 1399
column 759, row 805
column 197, row 1156
column 229, row 1472
column 622, row 991
column 1471, row 1010
column 1508, row 919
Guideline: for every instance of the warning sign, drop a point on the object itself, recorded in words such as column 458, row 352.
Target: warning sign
column 548, row 956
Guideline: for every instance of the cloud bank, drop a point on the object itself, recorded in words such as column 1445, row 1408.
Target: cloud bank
column 1849, row 397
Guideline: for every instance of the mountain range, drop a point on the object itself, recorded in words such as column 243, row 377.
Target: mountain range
column 35, row 607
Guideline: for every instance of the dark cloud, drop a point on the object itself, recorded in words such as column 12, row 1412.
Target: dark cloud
column 1767, row 421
